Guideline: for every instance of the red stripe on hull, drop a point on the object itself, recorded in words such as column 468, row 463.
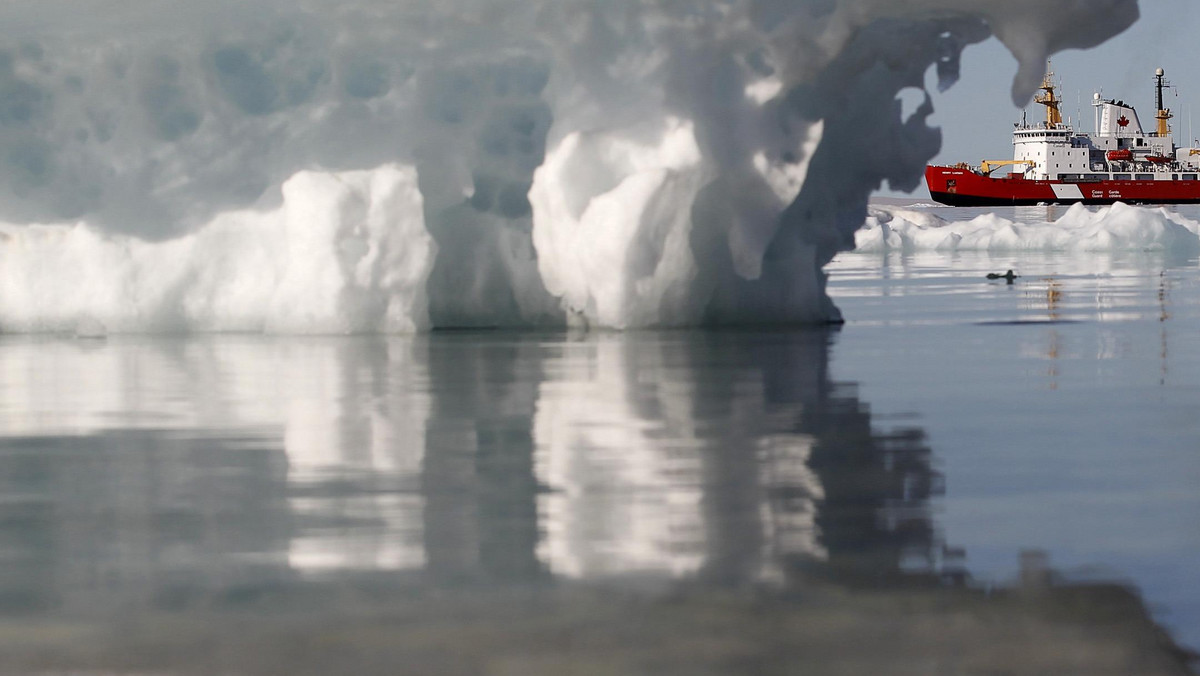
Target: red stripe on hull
column 964, row 187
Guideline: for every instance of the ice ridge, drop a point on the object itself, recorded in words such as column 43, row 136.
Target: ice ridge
column 1119, row 227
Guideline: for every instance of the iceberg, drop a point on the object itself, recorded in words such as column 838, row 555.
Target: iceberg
column 372, row 166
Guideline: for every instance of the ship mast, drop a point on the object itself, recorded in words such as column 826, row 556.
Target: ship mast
column 1163, row 114
column 1047, row 98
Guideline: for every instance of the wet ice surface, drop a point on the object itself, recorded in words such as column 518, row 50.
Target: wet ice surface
column 689, row 502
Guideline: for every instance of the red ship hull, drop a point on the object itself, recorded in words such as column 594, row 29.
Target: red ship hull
column 961, row 187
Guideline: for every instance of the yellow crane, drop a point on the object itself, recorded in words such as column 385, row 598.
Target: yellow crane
column 988, row 166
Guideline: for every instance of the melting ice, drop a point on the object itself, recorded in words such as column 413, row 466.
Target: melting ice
column 395, row 166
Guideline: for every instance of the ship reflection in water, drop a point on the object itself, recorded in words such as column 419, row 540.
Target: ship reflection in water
column 674, row 503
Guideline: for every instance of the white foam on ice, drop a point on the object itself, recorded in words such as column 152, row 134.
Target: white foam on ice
column 1119, row 227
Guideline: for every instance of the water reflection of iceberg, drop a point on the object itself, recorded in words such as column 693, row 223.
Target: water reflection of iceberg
column 662, row 456
column 726, row 455
column 522, row 490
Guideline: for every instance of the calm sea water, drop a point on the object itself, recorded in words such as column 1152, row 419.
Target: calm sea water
column 1064, row 409
column 608, row 503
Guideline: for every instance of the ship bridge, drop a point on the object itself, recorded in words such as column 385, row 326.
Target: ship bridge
column 1050, row 148
column 1051, row 152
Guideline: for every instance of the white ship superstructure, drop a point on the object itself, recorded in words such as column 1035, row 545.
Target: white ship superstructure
column 1052, row 150
column 1053, row 162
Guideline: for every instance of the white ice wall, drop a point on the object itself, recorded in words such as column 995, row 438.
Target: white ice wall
column 621, row 163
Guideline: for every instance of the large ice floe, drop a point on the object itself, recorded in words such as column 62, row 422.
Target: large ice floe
column 1115, row 228
column 404, row 165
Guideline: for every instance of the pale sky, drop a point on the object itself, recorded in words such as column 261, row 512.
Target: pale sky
column 976, row 115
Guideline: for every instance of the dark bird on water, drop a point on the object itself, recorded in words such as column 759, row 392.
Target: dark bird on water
column 1008, row 276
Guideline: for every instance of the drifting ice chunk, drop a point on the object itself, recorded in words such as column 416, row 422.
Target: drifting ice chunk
column 1119, row 227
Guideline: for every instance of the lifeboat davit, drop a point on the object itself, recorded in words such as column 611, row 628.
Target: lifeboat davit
column 1158, row 159
column 1119, row 155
